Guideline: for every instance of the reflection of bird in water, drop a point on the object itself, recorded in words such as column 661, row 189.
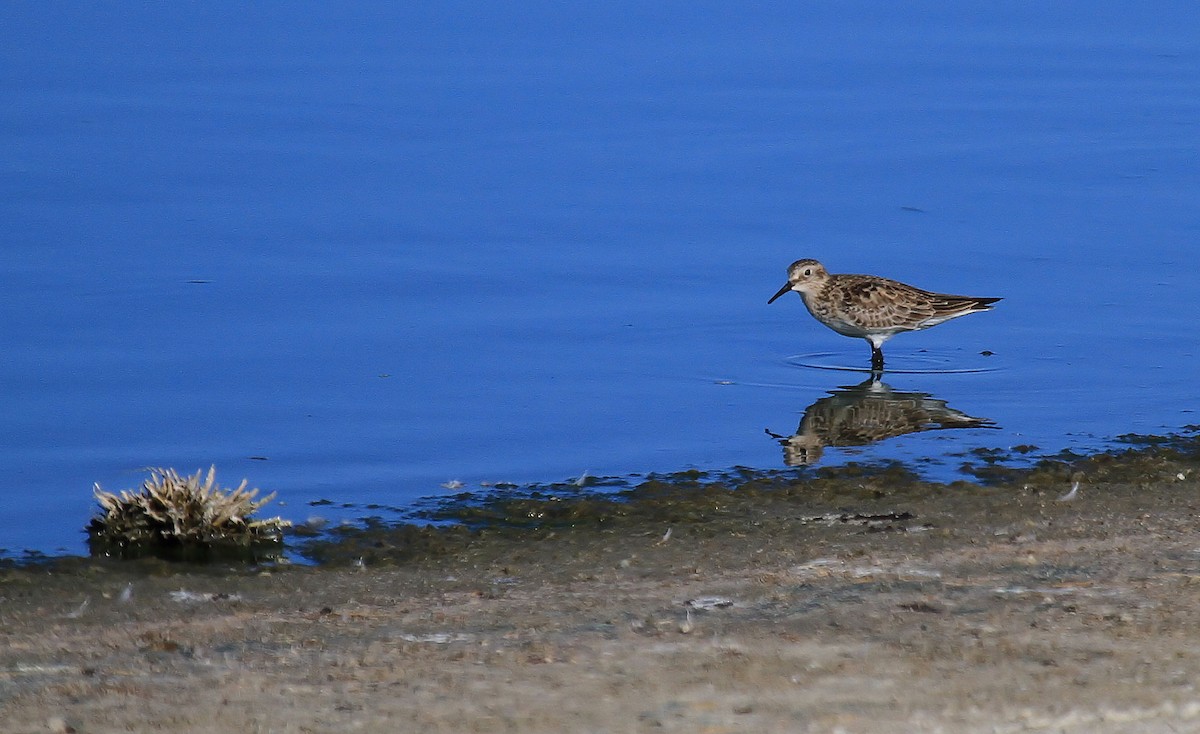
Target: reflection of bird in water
column 873, row 308
column 867, row 413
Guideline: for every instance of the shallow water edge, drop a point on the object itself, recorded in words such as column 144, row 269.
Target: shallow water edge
column 696, row 499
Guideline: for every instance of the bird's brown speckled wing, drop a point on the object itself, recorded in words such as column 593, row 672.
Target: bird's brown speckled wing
column 869, row 302
column 879, row 303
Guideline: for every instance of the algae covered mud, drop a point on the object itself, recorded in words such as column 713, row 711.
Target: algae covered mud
column 695, row 498
column 860, row 600
column 180, row 519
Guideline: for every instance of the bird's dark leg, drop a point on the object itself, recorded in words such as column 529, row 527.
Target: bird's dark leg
column 876, row 359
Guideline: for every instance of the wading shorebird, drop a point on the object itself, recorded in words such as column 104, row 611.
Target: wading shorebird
column 873, row 308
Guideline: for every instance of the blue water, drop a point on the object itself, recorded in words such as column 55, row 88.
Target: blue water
column 354, row 253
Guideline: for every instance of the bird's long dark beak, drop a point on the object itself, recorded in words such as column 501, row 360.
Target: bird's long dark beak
column 787, row 287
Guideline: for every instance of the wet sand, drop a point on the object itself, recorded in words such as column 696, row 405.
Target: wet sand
column 856, row 604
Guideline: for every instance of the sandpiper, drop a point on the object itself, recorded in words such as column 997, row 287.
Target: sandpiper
column 873, row 308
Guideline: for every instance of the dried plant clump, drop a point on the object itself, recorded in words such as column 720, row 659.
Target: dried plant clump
column 172, row 513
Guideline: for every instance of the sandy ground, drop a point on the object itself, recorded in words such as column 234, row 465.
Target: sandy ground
column 885, row 609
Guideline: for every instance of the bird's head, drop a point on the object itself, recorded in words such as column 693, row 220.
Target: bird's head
column 804, row 276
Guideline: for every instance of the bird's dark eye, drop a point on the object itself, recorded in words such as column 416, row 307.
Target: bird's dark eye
column 808, row 272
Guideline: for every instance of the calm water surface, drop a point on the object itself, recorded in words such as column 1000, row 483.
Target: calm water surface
column 355, row 253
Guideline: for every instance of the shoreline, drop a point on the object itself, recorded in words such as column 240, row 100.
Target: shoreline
column 862, row 602
column 493, row 505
